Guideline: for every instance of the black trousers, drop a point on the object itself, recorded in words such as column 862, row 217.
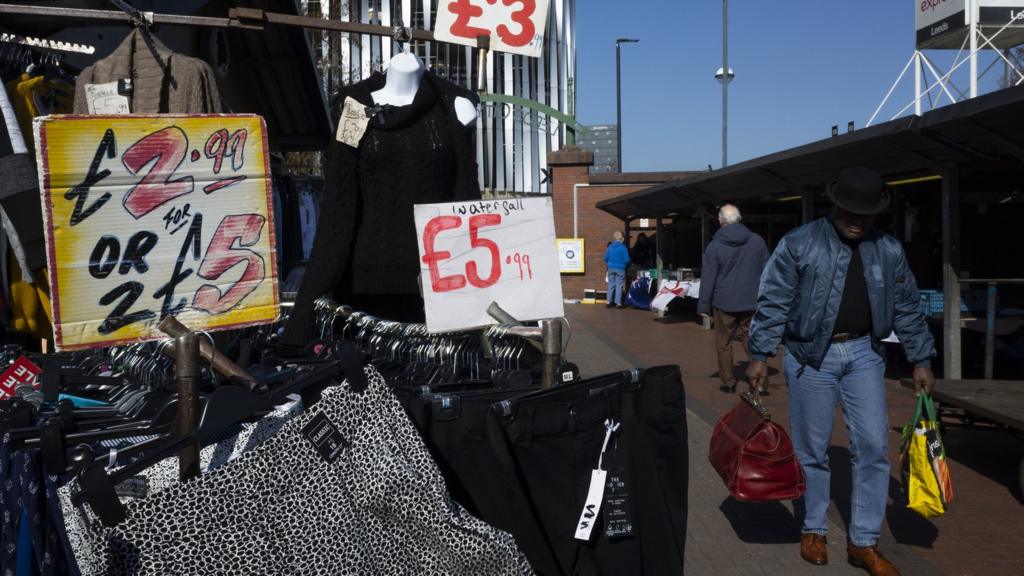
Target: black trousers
column 550, row 444
column 523, row 461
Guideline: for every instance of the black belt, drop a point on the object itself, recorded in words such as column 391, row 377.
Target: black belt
column 846, row 337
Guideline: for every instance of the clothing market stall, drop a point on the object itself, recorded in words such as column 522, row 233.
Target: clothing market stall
column 165, row 409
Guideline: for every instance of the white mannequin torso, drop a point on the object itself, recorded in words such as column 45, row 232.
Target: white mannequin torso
column 403, row 80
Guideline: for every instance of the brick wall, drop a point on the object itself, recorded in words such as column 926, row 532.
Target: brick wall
column 568, row 168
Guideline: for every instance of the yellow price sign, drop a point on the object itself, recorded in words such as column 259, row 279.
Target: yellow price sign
column 151, row 216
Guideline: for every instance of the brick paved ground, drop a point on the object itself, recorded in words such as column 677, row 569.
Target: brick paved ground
column 980, row 535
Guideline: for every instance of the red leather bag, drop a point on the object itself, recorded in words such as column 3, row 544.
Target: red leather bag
column 754, row 456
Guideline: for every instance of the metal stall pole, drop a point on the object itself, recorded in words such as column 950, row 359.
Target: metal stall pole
column 483, row 44
column 219, row 362
column 503, row 317
column 187, row 380
column 951, row 340
column 552, row 334
column 990, row 327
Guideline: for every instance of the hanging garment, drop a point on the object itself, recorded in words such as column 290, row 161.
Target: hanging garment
column 345, row 488
column 33, row 96
column 19, row 194
column 523, row 464
column 552, row 441
column 30, row 303
column 366, row 239
column 308, row 209
column 80, row 521
column 162, row 81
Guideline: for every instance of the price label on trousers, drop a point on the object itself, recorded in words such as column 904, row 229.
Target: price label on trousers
column 475, row 253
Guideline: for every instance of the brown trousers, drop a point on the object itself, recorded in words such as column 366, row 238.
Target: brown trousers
column 730, row 326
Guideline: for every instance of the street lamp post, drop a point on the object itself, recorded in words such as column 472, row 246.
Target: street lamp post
column 725, row 76
column 618, row 96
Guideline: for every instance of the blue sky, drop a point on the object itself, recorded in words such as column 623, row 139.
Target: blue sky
column 801, row 66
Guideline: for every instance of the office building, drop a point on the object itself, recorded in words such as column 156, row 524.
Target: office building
column 603, row 141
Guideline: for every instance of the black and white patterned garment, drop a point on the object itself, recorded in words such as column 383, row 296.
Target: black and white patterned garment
column 380, row 508
column 80, row 521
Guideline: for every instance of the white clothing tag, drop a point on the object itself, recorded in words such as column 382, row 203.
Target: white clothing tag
column 293, row 401
column 353, row 122
column 112, row 459
column 610, row 427
column 595, row 495
column 105, row 99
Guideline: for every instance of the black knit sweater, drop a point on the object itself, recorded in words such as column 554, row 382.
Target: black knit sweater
column 366, row 237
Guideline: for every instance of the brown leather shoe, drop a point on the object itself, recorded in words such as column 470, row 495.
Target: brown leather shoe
column 814, row 549
column 870, row 559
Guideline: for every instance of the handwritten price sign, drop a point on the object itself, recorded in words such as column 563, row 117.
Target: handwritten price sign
column 150, row 216
column 515, row 26
column 475, row 253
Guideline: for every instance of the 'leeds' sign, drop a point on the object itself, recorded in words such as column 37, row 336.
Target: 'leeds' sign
column 938, row 19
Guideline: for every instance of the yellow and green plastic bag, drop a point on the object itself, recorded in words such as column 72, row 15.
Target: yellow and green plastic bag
column 926, row 479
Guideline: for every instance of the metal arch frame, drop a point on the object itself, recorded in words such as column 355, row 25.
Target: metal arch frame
column 570, row 122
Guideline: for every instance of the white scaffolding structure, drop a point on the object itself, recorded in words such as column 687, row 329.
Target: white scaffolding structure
column 989, row 25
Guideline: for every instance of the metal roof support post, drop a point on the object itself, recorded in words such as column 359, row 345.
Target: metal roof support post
column 659, row 262
column 951, row 348
column 807, row 206
column 990, row 327
column 703, row 234
column 626, row 234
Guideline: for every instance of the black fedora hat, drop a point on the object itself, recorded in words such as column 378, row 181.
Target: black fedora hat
column 859, row 191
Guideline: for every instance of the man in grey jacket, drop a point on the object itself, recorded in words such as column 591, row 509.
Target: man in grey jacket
column 833, row 289
column 733, row 262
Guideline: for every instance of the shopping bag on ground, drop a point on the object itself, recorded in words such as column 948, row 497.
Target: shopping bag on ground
column 926, row 479
column 639, row 294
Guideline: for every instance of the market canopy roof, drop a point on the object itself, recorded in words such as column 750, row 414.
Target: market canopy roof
column 983, row 136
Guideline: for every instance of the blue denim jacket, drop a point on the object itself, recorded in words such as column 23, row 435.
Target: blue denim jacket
column 802, row 287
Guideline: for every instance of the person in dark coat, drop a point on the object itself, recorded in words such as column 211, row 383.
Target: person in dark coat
column 729, row 278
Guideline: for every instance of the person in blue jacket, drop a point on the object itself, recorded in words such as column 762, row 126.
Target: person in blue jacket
column 616, row 257
column 832, row 291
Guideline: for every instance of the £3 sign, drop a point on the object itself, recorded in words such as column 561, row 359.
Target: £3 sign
column 151, row 216
column 475, row 253
column 514, row 26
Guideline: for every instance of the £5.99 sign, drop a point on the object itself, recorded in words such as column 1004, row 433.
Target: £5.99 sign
column 151, row 216
column 475, row 253
column 514, row 26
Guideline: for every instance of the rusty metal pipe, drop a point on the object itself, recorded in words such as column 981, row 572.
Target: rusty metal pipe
column 186, row 376
column 221, row 363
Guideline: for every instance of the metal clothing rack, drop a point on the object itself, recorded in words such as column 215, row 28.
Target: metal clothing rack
column 249, row 19
column 547, row 337
column 241, row 18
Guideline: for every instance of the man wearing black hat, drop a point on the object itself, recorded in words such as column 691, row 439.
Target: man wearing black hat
column 832, row 290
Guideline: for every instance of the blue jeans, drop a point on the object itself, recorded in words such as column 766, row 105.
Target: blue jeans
column 616, row 281
column 851, row 375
